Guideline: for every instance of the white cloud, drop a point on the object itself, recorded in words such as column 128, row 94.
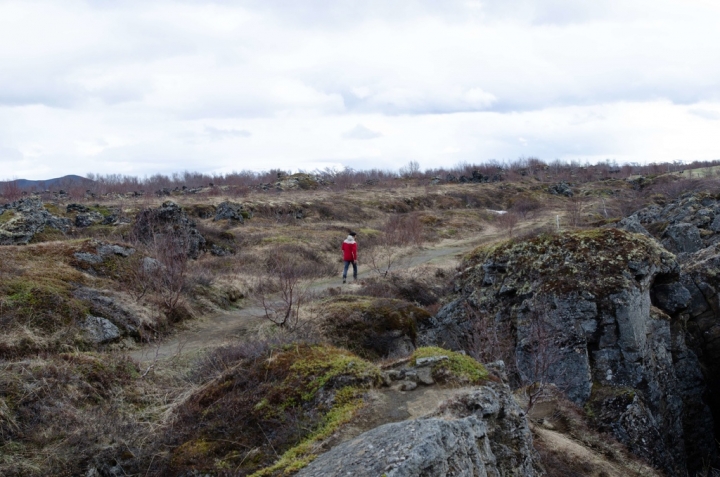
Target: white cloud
column 360, row 132
column 143, row 87
column 218, row 134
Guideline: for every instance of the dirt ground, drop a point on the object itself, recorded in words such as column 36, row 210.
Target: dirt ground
column 226, row 327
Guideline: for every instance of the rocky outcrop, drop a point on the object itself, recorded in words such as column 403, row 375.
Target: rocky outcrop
column 690, row 226
column 577, row 311
column 701, row 318
column 684, row 226
column 561, row 188
column 169, row 223
column 24, row 218
column 97, row 252
column 124, row 314
column 477, row 177
column 230, row 211
column 99, row 330
column 482, row 432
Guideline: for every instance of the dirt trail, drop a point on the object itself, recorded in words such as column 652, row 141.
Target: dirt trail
column 229, row 326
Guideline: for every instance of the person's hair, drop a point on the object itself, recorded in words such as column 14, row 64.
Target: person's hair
column 352, row 233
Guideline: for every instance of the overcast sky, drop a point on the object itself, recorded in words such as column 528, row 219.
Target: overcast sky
column 141, row 87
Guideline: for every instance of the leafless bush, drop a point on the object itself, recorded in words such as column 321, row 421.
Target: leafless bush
column 382, row 258
column 423, row 286
column 10, row 191
column 543, row 363
column 574, row 209
column 526, row 207
column 673, row 188
column 403, row 230
column 489, row 340
column 507, row 222
column 281, row 291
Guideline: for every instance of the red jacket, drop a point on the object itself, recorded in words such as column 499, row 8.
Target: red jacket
column 349, row 251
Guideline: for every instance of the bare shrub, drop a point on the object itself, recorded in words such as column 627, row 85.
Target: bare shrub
column 526, row 207
column 382, row 258
column 420, row 286
column 507, row 222
column 403, row 229
column 489, row 340
column 544, row 363
column 281, row 289
column 10, row 191
column 672, row 187
column 574, row 210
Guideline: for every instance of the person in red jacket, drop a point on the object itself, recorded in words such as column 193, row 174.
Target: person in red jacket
column 349, row 248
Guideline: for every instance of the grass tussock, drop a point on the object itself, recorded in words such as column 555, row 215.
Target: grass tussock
column 55, row 413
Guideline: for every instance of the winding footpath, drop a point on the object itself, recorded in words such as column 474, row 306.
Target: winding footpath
column 230, row 326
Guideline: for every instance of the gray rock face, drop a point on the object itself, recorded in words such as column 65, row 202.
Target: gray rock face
column 632, row 224
column 686, row 225
column 701, row 318
column 682, row 238
column 671, row 297
column 103, row 251
column 99, row 330
column 480, row 433
column 170, row 223
column 561, row 189
column 29, row 217
column 229, row 211
column 89, row 218
column 576, row 310
column 124, row 319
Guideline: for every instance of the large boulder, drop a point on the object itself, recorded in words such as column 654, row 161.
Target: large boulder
column 170, row 225
column 21, row 220
column 100, row 330
column 482, row 432
column 575, row 310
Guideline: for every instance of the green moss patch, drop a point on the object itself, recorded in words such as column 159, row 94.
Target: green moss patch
column 457, row 369
column 6, row 216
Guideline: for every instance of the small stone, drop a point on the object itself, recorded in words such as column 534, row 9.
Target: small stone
column 424, row 376
column 408, row 385
column 430, row 360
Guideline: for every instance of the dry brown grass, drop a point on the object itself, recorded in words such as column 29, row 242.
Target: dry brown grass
column 89, row 393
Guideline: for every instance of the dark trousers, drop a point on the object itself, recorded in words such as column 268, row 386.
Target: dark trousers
column 345, row 269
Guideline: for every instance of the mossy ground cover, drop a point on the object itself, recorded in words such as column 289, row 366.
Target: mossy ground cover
column 457, row 369
column 368, row 325
column 594, row 259
column 269, row 412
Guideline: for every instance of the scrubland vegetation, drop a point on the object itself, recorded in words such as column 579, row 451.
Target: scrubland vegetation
column 265, row 401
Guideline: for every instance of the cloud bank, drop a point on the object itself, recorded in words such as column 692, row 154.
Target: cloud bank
column 144, row 87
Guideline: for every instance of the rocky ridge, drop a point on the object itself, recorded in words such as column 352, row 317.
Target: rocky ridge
column 25, row 218
column 577, row 310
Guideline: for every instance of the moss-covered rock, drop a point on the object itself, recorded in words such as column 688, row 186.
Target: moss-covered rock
column 372, row 327
column 575, row 310
column 458, row 368
column 282, row 403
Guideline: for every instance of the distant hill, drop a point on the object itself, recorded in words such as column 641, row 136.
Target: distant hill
column 51, row 184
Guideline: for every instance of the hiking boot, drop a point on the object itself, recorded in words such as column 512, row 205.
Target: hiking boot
column 344, row 281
